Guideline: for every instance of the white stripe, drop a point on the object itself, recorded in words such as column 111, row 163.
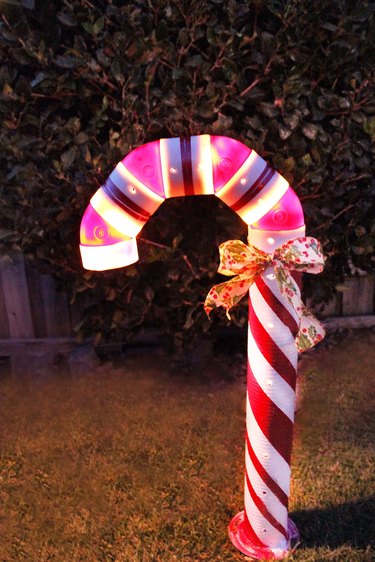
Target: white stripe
column 263, row 202
column 268, row 456
column 201, row 164
column 274, row 327
column 272, row 502
column 272, row 384
column 263, row 529
column 100, row 258
column 115, row 215
column 171, row 167
column 134, row 189
column 249, row 172
column 271, row 282
column 262, row 238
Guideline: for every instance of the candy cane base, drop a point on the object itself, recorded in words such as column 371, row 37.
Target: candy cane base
column 240, row 531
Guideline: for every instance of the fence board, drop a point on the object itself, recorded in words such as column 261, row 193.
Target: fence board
column 359, row 298
column 56, row 311
column 4, row 322
column 36, row 300
column 16, row 293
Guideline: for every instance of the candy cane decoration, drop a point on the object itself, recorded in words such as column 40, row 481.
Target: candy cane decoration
column 262, row 198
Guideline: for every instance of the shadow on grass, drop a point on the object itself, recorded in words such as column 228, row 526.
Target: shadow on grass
column 350, row 523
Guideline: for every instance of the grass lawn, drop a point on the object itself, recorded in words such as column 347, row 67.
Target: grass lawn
column 132, row 464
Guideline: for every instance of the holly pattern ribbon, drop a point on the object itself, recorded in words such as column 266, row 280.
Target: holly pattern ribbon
column 247, row 262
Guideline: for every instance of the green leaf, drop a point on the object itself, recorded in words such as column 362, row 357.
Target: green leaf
column 98, row 25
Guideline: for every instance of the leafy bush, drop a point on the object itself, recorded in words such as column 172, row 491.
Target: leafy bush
column 84, row 83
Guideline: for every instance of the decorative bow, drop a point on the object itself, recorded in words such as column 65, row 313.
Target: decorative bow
column 247, row 262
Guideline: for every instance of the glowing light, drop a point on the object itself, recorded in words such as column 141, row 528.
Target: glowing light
column 113, row 256
column 269, row 325
column 125, row 180
column 271, row 194
column 225, row 164
column 148, row 171
column 243, row 181
column 171, row 167
column 100, row 233
column 95, row 231
column 202, row 174
column 232, row 190
column 114, row 215
column 270, row 240
column 285, row 215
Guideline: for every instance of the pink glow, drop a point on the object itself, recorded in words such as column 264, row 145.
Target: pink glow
column 95, row 231
column 287, row 214
column 144, row 164
column 228, row 155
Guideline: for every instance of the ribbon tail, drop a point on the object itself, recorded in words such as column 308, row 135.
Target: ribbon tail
column 227, row 294
column 310, row 331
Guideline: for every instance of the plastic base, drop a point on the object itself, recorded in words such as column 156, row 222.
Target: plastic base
column 239, row 538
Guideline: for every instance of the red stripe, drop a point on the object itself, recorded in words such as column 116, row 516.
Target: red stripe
column 275, row 425
column 270, row 351
column 251, row 534
column 128, row 205
column 255, row 188
column 269, row 482
column 263, row 509
column 187, row 170
column 277, row 307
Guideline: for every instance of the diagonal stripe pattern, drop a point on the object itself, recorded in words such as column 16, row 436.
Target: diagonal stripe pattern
column 271, row 381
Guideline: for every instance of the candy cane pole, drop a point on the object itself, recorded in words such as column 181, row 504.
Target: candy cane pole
column 263, row 530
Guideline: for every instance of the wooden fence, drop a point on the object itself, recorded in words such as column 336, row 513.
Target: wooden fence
column 32, row 308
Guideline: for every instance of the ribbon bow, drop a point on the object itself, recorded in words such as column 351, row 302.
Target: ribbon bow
column 247, row 262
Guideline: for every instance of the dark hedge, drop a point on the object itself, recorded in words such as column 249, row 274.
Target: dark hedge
column 83, row 83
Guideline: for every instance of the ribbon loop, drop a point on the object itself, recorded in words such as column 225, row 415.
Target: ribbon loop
column 245, row 263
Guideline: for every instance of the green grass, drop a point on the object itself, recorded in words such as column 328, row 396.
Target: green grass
column 135, row 465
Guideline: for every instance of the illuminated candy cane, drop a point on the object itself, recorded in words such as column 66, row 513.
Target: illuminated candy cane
column 200, row 165
column 204, row 165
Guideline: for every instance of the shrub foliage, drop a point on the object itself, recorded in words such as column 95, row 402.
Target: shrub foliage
column 84, row 83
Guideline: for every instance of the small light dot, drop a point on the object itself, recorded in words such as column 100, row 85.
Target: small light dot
column 243, row 181
column 269, row 325
column 132, row 189
column 270, row 240
column 260, row 201
column 269, row 382
column 173, row 170
column 271, row 276
column 266, row 455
